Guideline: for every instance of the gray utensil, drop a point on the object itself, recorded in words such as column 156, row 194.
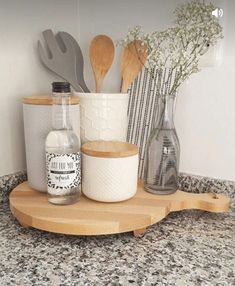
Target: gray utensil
column 63, row 63
column 66, row 37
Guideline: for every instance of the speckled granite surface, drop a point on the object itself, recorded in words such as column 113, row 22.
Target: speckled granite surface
column 187, row 248
column 9, row 182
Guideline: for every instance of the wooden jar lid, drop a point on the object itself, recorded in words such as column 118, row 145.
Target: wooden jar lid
column 109, row 149
column 45, row 100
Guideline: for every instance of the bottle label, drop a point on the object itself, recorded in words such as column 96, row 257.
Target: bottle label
column 63, row 170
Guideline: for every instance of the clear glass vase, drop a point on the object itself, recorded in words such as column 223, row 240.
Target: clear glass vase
column 163, row 151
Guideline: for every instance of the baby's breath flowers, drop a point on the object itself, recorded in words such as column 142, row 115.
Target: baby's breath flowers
column 180, row 47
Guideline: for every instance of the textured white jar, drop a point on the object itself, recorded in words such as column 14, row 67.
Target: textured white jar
column 37, row 124
column 109, row 170
column 103, row 116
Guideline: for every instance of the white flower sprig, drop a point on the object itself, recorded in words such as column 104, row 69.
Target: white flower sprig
column 180, row 47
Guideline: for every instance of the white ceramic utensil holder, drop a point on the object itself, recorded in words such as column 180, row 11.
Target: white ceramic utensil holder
column 37, row 124
column 109, row 170
column 103, row 116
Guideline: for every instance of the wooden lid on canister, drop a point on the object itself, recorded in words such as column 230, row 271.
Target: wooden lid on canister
column 109, row 149
column 46, row 100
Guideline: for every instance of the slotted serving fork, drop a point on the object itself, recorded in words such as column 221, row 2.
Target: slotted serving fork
column 66, row 37
column 63, row 63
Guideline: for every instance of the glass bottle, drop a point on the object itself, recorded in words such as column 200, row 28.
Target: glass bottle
column 63, row 157
column 163, row 151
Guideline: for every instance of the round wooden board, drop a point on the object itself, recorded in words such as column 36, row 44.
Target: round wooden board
column 88, row 217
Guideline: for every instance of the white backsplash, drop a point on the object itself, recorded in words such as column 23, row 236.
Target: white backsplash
column 205, row 112
column 21, row 73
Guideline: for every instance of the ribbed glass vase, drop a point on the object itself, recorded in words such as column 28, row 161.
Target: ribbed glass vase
column 163, row 150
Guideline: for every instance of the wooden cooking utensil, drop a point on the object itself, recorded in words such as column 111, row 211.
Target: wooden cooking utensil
column 132, row 62
column 101, row 57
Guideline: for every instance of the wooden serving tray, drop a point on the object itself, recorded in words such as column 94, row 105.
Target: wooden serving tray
column 88, row 217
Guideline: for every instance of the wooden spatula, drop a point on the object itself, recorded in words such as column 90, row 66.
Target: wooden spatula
column 132, row 62
column 101, row 57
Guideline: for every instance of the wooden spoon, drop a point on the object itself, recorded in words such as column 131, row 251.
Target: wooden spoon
column 101, row 58
column 132, row 62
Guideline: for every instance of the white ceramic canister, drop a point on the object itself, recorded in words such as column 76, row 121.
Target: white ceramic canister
column 109, row 171
column 103, row 116
column 37, row 112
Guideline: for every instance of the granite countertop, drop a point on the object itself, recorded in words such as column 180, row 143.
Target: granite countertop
column 186, row 248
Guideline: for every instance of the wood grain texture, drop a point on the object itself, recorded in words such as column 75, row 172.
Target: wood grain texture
column 46, row 100
column 132, row 61
column 101, row 55
column 89, row 217
column 109, row 149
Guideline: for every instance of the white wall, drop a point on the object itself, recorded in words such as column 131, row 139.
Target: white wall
column 21, row 74
column 205, row 115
